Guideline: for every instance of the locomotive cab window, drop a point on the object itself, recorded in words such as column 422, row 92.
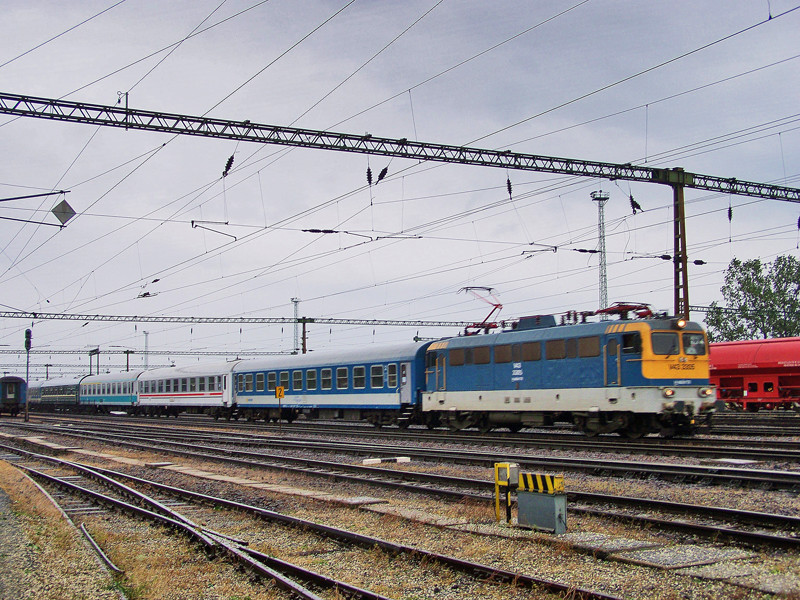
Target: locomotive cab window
column 694, row 343
column 632, row 343
column 665, row 342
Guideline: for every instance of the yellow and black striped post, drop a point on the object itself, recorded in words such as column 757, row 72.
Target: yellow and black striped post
column 542, row 483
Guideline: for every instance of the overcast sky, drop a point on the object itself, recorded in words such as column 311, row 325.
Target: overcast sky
column 712, row 87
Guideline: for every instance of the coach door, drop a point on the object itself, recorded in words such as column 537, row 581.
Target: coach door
column 612, row 366
column 405, row 383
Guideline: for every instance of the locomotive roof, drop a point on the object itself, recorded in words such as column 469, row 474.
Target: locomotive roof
column 362, row 354
column 563, row 331
column 775, row 352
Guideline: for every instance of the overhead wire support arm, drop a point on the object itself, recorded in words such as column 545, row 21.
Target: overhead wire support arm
column 130, row 118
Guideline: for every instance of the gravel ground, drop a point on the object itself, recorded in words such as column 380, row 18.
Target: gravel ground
column 41, row 557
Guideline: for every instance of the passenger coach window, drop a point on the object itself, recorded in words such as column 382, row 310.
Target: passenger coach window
column 359, row 377
column 201, row 384
column 248, row 382
column 272, row 381
column 555, row 349
column 297, row 380
column 193, row 384
column 326, row 379
column 391, row 373
column 284, row 380
column 665, row 343
column 376, row 377
column 240, row 383
column 502, row 354
column 694, row 343
column 311, row 379
column 589, row 346
column 341, row 378
column 632, row 343
column 259, row 382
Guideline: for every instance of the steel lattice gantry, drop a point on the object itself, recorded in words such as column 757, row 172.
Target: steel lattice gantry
column 678, row 179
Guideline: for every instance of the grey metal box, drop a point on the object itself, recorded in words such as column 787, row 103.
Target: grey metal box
column 542, row 511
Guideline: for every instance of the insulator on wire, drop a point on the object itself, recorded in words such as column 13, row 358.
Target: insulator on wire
column 382, row 174
column 508, row 185
column 635, row 206
column 730, row 214
column 369, row 176
column 228, row 166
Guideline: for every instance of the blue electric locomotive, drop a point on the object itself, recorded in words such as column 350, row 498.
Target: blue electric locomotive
column 632, row 377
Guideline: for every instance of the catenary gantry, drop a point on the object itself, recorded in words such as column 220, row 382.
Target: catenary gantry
column 245, row 130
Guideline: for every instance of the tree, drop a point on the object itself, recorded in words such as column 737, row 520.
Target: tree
column 763, row 300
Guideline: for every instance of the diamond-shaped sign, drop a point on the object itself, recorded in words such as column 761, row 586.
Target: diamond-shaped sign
column 63, row 212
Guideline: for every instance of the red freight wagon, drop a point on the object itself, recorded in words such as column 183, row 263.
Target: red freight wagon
column 757, row 374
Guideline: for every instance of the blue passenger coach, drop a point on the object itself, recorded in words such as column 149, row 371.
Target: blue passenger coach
column 381, row 384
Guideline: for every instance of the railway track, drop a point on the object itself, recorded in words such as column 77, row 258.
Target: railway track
column 719, row 474
column 124, row 497
column 748, row 527
column 750, row 450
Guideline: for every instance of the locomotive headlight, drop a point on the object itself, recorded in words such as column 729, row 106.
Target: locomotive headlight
column 679, row 323
column 705, row 392
column 668, row 392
